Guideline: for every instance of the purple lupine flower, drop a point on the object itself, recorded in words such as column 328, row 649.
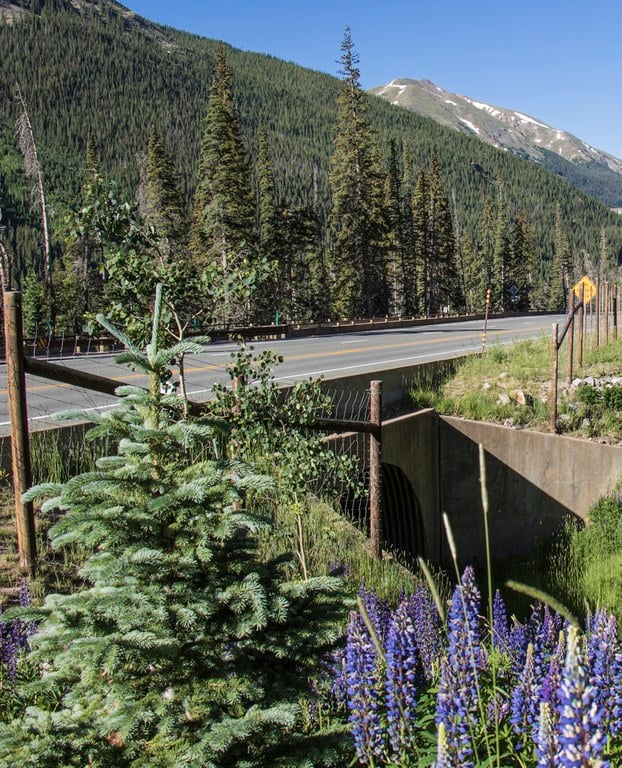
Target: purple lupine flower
column 457, row 699
column 522, row 714
column 402, row 672
column 519, row 641
column 428, row 634
column 364, row 691
column 546, row 740
column 333, row 678
column 604, row 668
column 500, row 635
column 24, row 594
column 11, row 646
column 378, row 612
column 581, row 736
column 550, row 685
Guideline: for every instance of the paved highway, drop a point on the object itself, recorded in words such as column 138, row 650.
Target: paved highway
column 331, row 357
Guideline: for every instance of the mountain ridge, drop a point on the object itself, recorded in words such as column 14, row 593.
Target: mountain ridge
column 591, row 169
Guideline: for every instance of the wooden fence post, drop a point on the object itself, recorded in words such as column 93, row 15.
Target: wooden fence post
column 597, row 313
column 606, row 312
column 18, row 415
column 614, row 311
column 375, row 472
column 581, row 325
column 554, row 351
column 570, row 337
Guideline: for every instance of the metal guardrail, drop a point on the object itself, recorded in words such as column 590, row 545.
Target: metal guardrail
column 52, row 346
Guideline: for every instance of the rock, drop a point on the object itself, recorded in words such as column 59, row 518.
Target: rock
column 503, row 399
column 486, row 385
column 589, row 381
column 519, row 396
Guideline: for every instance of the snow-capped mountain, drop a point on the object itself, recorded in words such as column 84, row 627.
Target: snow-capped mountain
column 508, row 129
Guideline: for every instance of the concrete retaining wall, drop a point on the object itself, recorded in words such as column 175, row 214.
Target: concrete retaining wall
column 535, row 481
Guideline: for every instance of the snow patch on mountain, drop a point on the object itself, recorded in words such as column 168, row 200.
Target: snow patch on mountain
column 470, row 125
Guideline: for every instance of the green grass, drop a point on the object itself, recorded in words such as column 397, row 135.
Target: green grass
column 512, row 384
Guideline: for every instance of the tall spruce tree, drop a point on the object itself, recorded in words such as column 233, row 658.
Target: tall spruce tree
column 560, row 272
column 165, row 210
column 357, row 194
column 485, row 249
column 500, row 258
column 181, row 646
column 395, row 233
column 400, row 257
column 443, row 283
column 223, row 218
column 522, row 264
column 420, row 214
column 268, row 302
column 410, row 258
column 474, row 279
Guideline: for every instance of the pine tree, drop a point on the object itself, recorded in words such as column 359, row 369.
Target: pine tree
column 409, row 255
column 164, row 200
column 500, row 258
column 269, row 298
column 395, row 248
column 521, row 266
column 357, row 193
column 474, row 279
column 443, row 284
column 560, row 272
column 181, row 646
column 223, row 211
column 303, row 279
column 420, row 209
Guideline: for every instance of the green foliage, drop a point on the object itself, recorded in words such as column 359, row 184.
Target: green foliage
column 606, row 524
column 184, row 646
column 583, row 565
column 357, row 194
column 36, row 307
column 76, row 103
column 223, row 214
column 272, row 427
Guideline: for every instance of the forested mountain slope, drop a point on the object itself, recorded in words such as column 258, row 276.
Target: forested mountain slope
column 93, row 69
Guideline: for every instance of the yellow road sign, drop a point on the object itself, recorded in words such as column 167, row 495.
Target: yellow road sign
column 589, row 289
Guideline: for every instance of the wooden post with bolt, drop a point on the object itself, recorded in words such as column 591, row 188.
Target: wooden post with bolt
column 554, row 355
column 570, row 337
column 375, row 471
column 606, row 312
column 486, row 311
column 18, row 416
column 597, row 337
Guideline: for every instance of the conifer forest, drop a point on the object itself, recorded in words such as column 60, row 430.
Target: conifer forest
column 199, row 598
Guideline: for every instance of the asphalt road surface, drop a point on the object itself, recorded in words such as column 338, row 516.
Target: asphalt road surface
column 330, row 357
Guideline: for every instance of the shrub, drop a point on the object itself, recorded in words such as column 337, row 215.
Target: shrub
column 183, row 647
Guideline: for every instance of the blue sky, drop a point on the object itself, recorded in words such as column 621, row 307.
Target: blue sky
column 556, row 60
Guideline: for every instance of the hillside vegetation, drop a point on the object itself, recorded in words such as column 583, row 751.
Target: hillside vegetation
column 116, row 77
